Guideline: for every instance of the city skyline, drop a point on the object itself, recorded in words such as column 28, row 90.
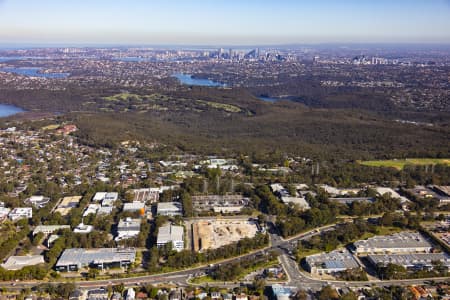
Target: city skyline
column 223, row 22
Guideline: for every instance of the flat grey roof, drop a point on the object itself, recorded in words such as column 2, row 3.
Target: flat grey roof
column 336, row 259
column 129, row 224
column 80, row 256
column 170, row 233
column 49, row 228
column 397, row 240
column 19, row 262
column 411, row 259
column 169, row 206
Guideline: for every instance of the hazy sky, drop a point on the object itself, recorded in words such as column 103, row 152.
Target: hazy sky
column 223, row 21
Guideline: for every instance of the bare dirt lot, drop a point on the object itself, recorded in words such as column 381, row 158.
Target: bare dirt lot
column 211, row 234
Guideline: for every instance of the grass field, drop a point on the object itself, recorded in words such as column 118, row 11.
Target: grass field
column 225, row 107
column 399, row 164
column 246, row 271
column 123, row 97
column 50, row 127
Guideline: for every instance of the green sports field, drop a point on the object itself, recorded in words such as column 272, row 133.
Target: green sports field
column 399, row 164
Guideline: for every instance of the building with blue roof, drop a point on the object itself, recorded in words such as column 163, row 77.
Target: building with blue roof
column 332, row 262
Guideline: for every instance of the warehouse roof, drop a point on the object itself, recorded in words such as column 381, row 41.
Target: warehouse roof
column 397, row 240
column 79, row 256
column 411, row 259
column 301, row 202
column 19, row 262
column 172, row 206
column 49, row 228
column 170, row 233
column 338, row 259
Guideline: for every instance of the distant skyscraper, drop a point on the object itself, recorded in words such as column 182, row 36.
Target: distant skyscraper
column 251, row 54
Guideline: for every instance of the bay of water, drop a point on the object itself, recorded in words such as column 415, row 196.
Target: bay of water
column 10, row 58
column 267, row 99
column 188, row 80
column 9, row 110
column 34, row 72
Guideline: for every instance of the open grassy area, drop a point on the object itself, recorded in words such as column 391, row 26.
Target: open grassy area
column 209, row 279
column 124, row 97
column 307, row 252
column 381, row 230
column 203, row 279
column 225, row 107
column 399, row 164
column 50, row 127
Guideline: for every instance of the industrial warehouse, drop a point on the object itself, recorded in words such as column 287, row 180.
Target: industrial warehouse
column 332, row 262
column 102, row 258
column 404, row 242
column 171, row 234
column 407, row 249
column 219, row 203
column 411, row 261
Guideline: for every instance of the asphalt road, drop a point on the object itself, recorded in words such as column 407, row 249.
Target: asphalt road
column 284, row 246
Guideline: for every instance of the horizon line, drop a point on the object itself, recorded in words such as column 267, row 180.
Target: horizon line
column 175, row 45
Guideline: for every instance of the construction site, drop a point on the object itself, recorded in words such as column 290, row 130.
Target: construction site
column 215, row 233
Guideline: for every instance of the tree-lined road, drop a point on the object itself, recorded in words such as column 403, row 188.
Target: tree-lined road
column 295, row 276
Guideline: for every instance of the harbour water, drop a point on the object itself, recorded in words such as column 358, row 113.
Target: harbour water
column 268, row 99
column 9, row 110
column 33, row 72
column 187, row 79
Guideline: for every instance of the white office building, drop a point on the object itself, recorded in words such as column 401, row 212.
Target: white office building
column 83, row 228
column 4, row 212
column 48, row 229
column 171, row 234
column 332, row 262
column 21, row 213
column 91, row 209
column 107, row 199
column 38, row 201
column 169, row 209
column 133, row 206
column 296, row 201
column 128, row 228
